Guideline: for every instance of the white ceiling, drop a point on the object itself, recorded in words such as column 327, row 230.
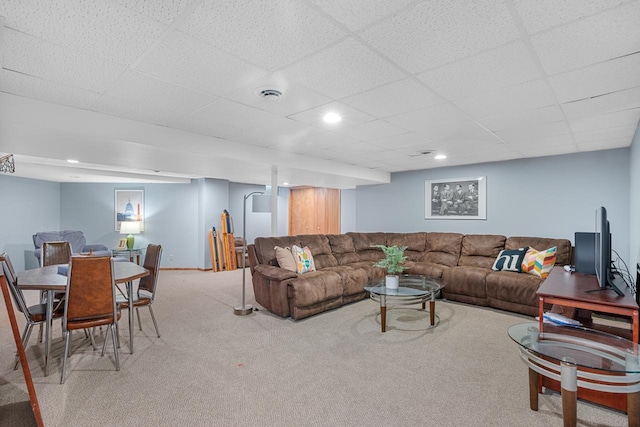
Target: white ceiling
column 165, row 90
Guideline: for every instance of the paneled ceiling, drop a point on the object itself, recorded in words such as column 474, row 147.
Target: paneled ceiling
column 168, row 90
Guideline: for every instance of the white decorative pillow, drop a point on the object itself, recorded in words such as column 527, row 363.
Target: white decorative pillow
column 304, row 259
column 285, row 258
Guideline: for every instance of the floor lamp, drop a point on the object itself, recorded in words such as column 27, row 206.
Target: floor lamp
column 245, row 309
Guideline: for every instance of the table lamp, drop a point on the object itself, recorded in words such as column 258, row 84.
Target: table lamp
column 130, row 228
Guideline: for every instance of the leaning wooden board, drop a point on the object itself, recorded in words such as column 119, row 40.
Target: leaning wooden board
column 228, row 243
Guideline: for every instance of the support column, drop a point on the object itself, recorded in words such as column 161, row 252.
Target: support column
column 274, row 200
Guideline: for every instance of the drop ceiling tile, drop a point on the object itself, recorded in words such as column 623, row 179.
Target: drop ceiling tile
column 356, row 14
column 204, row 126
column 534, row 133
column 233, row 114
column 128, row 109
column 604, row 121
column 598, row 79
column 344, row 69
column 394, row 98
column 485, row 72
column 526, row 96
column 543, row 142
column 102, row 29
column 427, row 118
column 144, row 89
column 460, row 130
column 330, row 140
column 617, row 101
column 437, row 32
column 185, row 61
column 595, row 39
column 549, row 114
column 466, row 145
column 165, row 11
column 539, row 15
column 552, row 150
column 269, row 33
column 604, row 144
column 295, row 97
column 360, row 148
column 281, row 131
column 405, row 140
column 36, row 57
column 623, row 132
column 45, row 90
column 350, row 116
column 372, row 130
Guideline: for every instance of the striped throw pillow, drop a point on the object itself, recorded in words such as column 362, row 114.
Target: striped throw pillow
column 539, row 263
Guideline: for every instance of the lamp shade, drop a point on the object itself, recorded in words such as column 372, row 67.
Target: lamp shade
column 130, row 228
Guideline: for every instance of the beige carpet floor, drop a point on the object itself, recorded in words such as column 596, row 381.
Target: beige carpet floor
column 213, row 368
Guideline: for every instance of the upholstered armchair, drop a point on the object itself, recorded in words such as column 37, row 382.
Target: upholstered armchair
column 75, row 238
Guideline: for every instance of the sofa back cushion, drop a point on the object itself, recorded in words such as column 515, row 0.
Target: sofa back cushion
column 75, row 238
column 320, row 248
column 415, row 243
column 265, row 247
column 443, row 248
column 481, row 250
column 363, row 242
column 563, row 252
column 343, row 249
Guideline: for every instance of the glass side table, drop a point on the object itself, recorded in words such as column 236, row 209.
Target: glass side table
column 130, row 253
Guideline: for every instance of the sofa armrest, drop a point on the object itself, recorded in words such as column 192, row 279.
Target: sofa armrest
column 277, row 274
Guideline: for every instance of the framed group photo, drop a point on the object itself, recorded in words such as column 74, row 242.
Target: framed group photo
column 129, row 206
column 456, row 198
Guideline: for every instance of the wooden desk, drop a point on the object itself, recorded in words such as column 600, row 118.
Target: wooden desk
column 569, row 290
column 48, row 279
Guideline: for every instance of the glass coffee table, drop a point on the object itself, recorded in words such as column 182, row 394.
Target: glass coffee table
column 412, row 289
column 582, row 363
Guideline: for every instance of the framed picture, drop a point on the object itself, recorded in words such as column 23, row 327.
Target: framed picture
column 456, row 198
column 122, row 244
column 129, row 206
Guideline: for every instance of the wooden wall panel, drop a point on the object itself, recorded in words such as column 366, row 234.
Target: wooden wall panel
column 314, row 210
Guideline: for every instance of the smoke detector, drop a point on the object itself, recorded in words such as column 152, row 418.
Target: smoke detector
column 269, row 94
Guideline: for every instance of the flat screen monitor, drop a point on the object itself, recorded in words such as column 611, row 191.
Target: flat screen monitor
column 603, row 252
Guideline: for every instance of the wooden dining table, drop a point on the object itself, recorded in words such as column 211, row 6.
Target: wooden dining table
column 50, row 280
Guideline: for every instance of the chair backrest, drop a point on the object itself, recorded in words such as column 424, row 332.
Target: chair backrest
column 55, row 253
column 12, row 281
column 90, row 289
column 151, row 263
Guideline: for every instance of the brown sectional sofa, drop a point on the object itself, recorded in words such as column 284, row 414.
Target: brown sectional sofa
column 344, row 266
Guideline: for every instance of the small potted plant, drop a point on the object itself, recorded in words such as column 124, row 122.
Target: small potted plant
column 392, row 262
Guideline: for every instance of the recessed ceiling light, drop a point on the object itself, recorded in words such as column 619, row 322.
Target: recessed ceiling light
column 440, row 157
column 72, row 161
column 332, row 118
column 285, row 183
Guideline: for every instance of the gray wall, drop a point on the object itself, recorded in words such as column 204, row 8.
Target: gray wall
column 347, row 211
column 546, row 196
column 29, row 205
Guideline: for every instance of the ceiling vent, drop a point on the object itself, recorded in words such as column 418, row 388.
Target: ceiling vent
column 421, row 153
column 270, row 94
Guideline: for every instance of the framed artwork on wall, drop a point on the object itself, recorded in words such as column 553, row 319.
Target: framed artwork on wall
column 456, row 198
column 129, row 206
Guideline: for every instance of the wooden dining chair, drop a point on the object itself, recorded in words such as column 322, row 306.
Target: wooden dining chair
column 53, row 253
column 147, row 287
column 90, row 301
column 35, row 314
